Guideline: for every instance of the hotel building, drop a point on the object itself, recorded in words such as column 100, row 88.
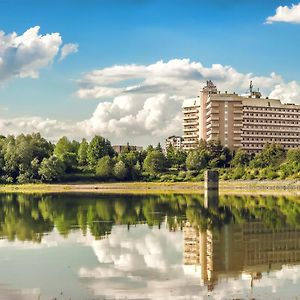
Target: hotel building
column 240, row 121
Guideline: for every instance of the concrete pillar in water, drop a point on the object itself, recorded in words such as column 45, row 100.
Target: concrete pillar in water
column 211, row 189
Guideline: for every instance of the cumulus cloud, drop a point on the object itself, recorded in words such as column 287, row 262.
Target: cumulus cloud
column 52, row 129
column 68, row 49
column 286, row 14
column 26, row 54
column 141, row 104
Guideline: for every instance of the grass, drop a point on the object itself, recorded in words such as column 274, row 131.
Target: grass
column 238, row 186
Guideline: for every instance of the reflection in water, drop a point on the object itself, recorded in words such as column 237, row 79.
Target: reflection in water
column 250, row 248
column 138, row 244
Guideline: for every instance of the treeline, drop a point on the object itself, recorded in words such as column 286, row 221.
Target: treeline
column 31, row 158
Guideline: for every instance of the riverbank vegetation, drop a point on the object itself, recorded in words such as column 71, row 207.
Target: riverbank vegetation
column 32, row 159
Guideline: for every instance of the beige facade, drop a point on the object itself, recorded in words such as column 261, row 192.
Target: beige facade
column 174, row 141
column 244, row 121
column 191, row 123
column 121, row 148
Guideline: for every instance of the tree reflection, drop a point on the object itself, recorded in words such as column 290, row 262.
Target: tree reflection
column 28, row 217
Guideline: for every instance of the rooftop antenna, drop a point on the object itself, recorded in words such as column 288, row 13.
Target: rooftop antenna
column 251, row 87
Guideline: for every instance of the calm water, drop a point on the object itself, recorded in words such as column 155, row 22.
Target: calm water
column 149, row 247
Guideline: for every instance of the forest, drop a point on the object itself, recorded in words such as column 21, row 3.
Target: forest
column 31, row 159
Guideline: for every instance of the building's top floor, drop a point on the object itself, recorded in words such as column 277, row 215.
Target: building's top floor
column 174, row 137
column 253, row 98
column 193, row 102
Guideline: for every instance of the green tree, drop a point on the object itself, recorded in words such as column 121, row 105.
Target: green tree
column 66, row 151
column 241, row 158
column 98, row 148
column 155, row 162
column 120, row 170
column 104, row 167
column 82, row 153
column 21, row 156
column 51, row 169
column 196, row 160
column 271, row 155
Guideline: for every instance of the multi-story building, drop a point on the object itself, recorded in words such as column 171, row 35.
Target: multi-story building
column 175, row 141
column 243, row 121
column 191, row 123
column 121, row 148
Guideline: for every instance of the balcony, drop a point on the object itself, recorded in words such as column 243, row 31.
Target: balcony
column 191, row 130
column 190, row 117
column 190, row 110
column 193, row 123
column 190, row 142
column 188, row 136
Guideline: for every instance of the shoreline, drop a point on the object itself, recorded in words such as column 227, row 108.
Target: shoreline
column 243, row 186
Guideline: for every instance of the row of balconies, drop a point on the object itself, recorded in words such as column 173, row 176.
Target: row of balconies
column 271, row 118
column 270, row 110
column 259, row 134
column 195, row 129
column 194, row 116
column 190, row 123
column 266, row 124
column 190, row 110
column 272, row 129
column 297, row 142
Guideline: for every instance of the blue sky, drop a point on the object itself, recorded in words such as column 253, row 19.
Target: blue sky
column 142, row 32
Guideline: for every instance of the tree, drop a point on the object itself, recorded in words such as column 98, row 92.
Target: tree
column 155, row 162
column 241, row 158
column 120, row 170
column 21, row 156
column 66, row 151
column 196, row 160
column 98, row 148
column 82, row 153
column 136, row 171
column 51, row 169
column 159, row 147
column 104, row 167
column 175, row 158
column 271, row 155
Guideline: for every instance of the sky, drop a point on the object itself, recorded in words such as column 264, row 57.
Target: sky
column 121, row 68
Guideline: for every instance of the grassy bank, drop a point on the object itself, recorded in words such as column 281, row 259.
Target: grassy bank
column 272, row 186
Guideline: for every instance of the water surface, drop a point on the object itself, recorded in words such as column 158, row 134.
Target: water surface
column 66, row 246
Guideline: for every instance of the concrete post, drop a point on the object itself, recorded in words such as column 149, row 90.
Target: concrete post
column 211, row 189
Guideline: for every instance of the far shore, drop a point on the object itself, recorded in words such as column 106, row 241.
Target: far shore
column 235, row 187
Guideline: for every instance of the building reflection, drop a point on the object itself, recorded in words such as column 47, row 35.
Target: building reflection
column 250, row 248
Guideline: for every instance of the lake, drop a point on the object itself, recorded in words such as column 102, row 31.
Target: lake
column 89, row 246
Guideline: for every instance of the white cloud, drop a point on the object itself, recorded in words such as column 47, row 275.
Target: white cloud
column 286, row 14
column 68, row 49
column 288, row 92
column 142, row 103
column 52, row 129
column 26, row 54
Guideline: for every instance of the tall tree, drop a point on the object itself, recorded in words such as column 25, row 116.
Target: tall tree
column 98, row 148
column 82, row 153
